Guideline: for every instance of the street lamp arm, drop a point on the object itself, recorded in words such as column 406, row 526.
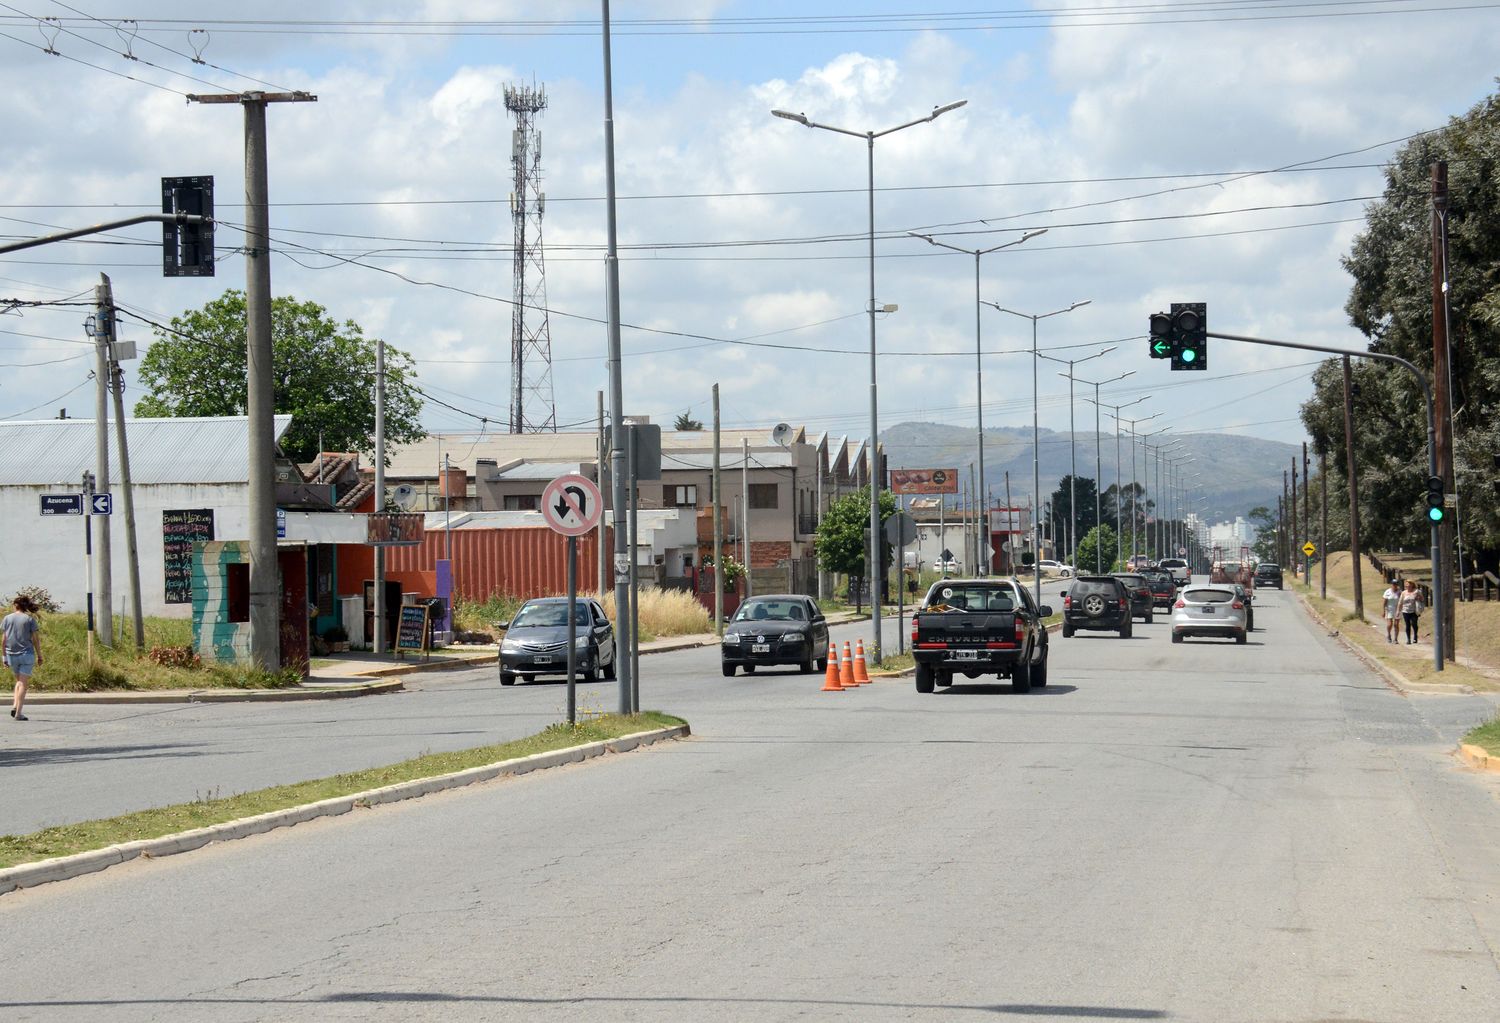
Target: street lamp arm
column 977, row 252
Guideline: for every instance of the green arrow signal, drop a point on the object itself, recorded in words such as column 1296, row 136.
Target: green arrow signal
column 1161, row 346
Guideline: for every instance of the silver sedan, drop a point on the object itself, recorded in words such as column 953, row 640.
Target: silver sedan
column 1209, row 611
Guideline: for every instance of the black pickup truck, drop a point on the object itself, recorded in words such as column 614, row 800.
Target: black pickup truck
column 975, row 627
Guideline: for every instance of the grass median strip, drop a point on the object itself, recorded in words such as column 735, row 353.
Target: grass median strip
column 212, row 809
column 1486, row 737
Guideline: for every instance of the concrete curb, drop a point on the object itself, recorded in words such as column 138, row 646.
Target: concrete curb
column 1478, row 758
column 61, row 868
column 333, row 692
column 1392, row 677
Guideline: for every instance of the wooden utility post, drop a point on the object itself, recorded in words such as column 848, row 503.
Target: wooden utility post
column 1306, row 514
column 265, row 579
column 718, row 579
column 1286, row 525
column 1354, row 553
column 1442, row 402
column 1323, row 523
column 1292, row 542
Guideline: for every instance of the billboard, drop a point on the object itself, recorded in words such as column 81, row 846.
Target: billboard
column 394, row 529
column 924, row 481
column 1009, row 520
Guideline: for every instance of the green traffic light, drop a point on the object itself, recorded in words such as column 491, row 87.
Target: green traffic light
column 1189, row 355
column 1435, row 514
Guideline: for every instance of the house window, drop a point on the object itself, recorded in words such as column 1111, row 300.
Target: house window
column 683, row 497
column 763, row 495
column 522, row 502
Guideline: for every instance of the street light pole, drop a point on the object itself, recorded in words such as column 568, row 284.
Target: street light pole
column 1119, row 465
column 1073, row 454
column 873, row 566
column 1036, row 463
column 1099, row 465
column 978, row 355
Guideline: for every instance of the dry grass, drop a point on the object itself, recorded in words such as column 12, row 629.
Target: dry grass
column 665, row 613
column 1477, row 624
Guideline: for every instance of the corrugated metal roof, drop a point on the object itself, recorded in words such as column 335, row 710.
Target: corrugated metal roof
column 57, row 451
column 760, row 458
column 538, row 470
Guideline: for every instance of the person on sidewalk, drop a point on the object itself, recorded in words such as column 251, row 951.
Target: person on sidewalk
column 1410, row 606
column 1388, row 601
column 23, row 651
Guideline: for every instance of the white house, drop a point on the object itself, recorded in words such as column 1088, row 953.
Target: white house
column 190, row 481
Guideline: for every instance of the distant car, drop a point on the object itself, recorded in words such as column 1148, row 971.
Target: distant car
column 777, row 628
column 536, row 641
column 1142, row 601
column 1213, row 610
column 1056, row 568
column 1178, row 568
column 1268, row 573
column 1097, row 602
column 1163, row 587
column 949, row 567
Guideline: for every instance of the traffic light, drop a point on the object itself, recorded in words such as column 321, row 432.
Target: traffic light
column 1161, row 336
column 1435, row 510
column 188, row 249
column 1189, row 335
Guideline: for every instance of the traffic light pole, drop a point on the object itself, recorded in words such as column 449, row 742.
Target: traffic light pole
column 1439, row 615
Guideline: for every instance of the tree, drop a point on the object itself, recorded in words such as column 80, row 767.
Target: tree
column 1391, row 304
column 686, row 424
column 1061, row 501
column 1100, row 546
column 323, row 375
column 1264, row 544
column 841, row 534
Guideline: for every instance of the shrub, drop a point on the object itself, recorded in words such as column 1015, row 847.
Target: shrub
column 175, row 656
column 336, row 634
column 40, row 596
column 665, row 613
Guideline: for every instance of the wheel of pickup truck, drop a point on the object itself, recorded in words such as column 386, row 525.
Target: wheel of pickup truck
column 1126, row 630
column 1039, row 674
column 1020, row 679
column 924, row 679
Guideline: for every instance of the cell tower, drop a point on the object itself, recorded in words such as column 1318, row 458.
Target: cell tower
column 532, row 405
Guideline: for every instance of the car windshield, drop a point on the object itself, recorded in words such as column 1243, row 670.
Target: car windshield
column 1132, row 580
column 972, row 598
column 1208, row 596
column 771, row 611
column 551, row 613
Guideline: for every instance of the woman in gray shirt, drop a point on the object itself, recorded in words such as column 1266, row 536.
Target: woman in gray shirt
column 23, row 650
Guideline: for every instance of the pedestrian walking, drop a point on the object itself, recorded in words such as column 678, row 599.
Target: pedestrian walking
column 1388, row 608
column 23, row 649
column 1410, row 605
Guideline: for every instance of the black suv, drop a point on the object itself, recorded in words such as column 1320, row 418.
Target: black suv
column 1163, row 588
column 1268, row 574
column 1096, row 602
column 1142, row 600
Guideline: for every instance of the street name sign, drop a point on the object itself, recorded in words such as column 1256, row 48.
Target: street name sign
column 62, row 504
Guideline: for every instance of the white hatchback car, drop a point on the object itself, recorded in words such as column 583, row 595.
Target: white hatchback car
column 1209, row 611
column 1056, row 568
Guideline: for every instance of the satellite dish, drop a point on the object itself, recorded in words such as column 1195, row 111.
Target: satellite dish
column 404, row 496
column 781, row 433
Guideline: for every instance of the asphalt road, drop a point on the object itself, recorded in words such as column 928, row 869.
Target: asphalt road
column 1204, row 832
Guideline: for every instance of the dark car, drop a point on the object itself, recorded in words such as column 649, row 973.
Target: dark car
column 974, row 627
column 536, row 641
column 1268, row 574
column 1163, row 588
column 1099, row 602
column 1142, row 601
column 778, row 628
column 1247, row 597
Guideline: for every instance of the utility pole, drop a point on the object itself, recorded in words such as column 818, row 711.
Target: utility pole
column 378, row 639
column 265, row 579
column 719, row 531
column 1010, row 530
column 1306, row 514
column 103, row 311
column 1442, row 583
column 1296, row 531
column 1354, row 555
column 1323, row 527
column 1286, row 526
column 599, row 459
column 127, row 494
column 745, row 505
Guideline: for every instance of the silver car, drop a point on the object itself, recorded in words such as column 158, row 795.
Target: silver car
column 1210, row 611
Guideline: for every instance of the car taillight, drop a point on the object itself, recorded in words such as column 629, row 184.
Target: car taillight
column 1020, row 630
column 1237, row 606
column 1124, row 603
column 913, row 630
column 1179, row 604
column 1067, row 602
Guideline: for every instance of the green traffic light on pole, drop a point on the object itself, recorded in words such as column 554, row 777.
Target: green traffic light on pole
column 1435, row 510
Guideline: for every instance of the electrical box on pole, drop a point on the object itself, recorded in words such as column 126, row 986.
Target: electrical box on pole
column 187, row 249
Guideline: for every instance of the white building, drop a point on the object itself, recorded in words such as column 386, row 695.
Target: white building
column 177, row 466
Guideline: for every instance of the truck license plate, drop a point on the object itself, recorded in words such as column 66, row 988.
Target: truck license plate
column 966, row 655
column 760, row 648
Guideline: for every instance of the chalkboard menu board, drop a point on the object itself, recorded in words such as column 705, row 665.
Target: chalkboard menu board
column 180, row 529
column 411, row 633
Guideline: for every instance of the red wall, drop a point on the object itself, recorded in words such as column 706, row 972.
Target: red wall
column 526, row 562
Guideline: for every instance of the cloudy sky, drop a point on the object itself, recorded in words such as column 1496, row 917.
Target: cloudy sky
column 1180, row 151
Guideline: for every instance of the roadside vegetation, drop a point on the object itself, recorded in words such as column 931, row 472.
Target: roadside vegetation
column 663, row 613
column 212, row 809
column 167, row 661
column 1486, row 737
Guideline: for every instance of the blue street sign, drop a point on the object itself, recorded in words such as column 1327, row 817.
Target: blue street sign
column 101, row 504
column 62, row 504
column 281, row 523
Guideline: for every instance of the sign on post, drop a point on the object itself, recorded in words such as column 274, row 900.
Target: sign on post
column 62, row 504
column 101, row 504
column 572, row 505
column 1309, row 549
column 900, row 529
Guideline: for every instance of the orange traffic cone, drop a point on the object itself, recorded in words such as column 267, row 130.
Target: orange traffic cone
column 846, row 670
column 861, row 675
column 831, row 676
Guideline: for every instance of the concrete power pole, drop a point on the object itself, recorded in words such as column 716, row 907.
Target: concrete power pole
column 718, row 577
column 265, row 579
column 1442, row 406
column 127, row 494
column 378, row 597
column 103, row 594
column 1354, row 554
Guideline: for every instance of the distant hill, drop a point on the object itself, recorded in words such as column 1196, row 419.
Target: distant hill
column 1237, row 473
